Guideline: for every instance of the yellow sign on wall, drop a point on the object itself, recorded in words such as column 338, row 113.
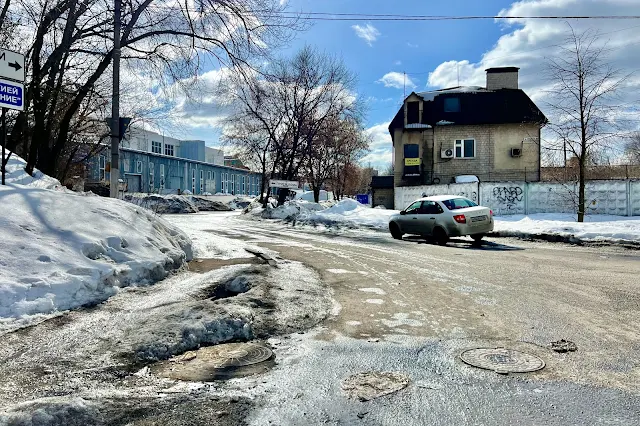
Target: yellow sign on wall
column 411, row 161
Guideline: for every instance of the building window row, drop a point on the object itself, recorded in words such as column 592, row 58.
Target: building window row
column 156, row 147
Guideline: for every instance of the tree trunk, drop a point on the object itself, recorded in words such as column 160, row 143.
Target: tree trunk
column 581, row 190
column 316, row 193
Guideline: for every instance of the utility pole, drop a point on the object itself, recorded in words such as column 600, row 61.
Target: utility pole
column 115, row 104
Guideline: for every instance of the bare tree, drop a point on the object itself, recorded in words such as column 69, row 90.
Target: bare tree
column 632, row 149
column 293, row 103
column 584, row 86
column 70, row 52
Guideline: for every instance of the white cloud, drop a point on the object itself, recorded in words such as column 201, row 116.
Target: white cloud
column 397, row 63
column 527, row 43
column 368, row 33
column 397, row 80
column 380, row 147
column 411, row 45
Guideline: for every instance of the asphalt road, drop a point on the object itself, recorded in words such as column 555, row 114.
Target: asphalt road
column 412, row 307
column 399, row 306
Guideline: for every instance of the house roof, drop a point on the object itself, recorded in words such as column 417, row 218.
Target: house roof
column 478, row 105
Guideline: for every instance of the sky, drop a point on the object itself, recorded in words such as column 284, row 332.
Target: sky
column 434, row 54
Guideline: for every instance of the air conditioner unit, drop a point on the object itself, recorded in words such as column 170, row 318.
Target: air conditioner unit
column 516, row 152
column 446, row 153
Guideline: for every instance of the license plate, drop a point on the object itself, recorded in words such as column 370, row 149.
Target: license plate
column 478, row 218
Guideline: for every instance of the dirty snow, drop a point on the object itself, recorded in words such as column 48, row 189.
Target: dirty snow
column 339, row 271
column 375, row 301
column 62, row 250
column 352, row 214
column 375, row 290
column 595, row 227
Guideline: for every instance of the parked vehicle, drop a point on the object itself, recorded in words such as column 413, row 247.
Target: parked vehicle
column 442, row 217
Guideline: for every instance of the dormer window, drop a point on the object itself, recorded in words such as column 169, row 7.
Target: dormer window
column 413, row 112
column 451, row 105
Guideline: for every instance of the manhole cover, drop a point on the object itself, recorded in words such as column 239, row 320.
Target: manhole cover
column 370, row 385
column 502, row 360
column 218, row 362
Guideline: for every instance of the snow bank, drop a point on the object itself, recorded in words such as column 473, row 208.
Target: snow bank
column 596, row 227
column 163, row 204
column 15, row 175
column 61, row 249
column 355, row 215
column 55, row 411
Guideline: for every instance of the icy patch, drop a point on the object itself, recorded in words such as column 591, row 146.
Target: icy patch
column 353, row 323
column 375, row 301
column 339, row 271
column 375, row 290
column 401, row 319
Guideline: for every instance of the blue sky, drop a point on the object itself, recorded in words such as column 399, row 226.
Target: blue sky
column 432, row 52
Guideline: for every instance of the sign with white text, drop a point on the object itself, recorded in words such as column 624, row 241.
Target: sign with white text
column 11, row 95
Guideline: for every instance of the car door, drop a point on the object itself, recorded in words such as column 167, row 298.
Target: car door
column 408, row 221
column 427, row 217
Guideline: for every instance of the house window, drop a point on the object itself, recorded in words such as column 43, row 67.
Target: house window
column 193, row 181
column 243, row 185
column 465, row 148
column 102, row 166
column 451, row 105
column 209, row 175
column 168, row 149
column 201, row 181
column 151, row 177
column 156, row 147
column 139, row 167
column 233, row 184
column 413, row 112
column 161, row 176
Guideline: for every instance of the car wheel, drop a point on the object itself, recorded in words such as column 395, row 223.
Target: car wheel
column 395, row 231
column 440, row 236
column 477, row 237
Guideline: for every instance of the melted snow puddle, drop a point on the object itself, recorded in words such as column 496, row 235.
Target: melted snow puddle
column 400, row 319
column 375, row 290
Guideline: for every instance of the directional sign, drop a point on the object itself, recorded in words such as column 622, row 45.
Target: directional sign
column 289, row 184
column 11, row 65
column 11, row 95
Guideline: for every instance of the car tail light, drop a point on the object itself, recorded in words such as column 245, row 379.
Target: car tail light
column 491, row 212
column 460, row 218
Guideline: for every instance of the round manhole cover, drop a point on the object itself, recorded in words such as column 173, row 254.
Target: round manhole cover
column 502, row 360
column 218, row 362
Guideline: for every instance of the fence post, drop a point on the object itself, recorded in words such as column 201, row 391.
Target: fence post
column 629, row 206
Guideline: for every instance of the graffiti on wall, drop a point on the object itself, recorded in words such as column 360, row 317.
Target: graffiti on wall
column 508, row 196
column 473, row 196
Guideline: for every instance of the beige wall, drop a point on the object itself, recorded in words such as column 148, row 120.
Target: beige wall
column 493, row 159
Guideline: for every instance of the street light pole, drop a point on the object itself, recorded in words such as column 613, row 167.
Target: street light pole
column 115, row 104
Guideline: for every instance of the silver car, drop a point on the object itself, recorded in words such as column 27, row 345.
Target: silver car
column 442, row 217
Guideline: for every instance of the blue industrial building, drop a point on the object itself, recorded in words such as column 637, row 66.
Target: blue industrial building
column 152, row 163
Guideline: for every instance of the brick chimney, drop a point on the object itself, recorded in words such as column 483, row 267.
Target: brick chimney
column 502, row 78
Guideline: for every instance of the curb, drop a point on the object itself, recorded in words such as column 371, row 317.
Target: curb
column 568, row 239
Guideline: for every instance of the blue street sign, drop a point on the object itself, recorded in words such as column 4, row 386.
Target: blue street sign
column 362, row 198
column 11, row 95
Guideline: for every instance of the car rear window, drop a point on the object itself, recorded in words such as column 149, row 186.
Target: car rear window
column 458, row 203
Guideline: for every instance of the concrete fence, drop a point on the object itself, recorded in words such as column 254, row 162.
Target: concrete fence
column 613, row 197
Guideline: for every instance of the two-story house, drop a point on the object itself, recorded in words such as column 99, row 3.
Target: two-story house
column 492, row 132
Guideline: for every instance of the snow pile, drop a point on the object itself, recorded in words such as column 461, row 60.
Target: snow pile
column 240, row 203
column 308, row 195
column 207, row 205
column 62, row 250
column 595, row 227
column 15, row 175
column 55, row 411
column 163, row 204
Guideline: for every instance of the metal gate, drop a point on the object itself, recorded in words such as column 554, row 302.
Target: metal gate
column 134, row 183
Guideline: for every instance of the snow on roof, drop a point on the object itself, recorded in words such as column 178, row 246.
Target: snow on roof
column 429, row 96
column 441, row 197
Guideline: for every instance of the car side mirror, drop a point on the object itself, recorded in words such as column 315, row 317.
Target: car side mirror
column 402, row 212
